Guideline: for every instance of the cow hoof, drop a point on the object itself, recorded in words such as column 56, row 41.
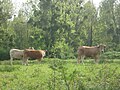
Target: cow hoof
column 27, row 64
column 78, row 62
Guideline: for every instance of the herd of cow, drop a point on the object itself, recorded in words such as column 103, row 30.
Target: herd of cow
column 26, row 54
column 83, row 51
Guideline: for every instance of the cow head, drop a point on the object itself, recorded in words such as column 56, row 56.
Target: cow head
column 101, row 47
column 43, row 52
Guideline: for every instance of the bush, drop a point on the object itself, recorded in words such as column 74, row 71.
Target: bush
column 95, row 77
column 63, row 50
column 111, row 55
column 8, row 68
column 57, row 74
column 4, row 54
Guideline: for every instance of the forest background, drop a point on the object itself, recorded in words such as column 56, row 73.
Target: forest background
column 60, row 26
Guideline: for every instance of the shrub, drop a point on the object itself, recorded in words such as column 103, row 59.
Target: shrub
column 4, row 54
column 8, row 68
column 63, row 50
column 62, row 79
column 96, row 77
column 111, row 55
column 57, row 74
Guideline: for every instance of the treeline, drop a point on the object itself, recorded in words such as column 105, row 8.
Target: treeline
column 59, row 26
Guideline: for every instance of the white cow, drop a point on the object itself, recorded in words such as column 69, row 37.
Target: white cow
column 16, row 54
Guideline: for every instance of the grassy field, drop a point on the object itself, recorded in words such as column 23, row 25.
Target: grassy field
column 56, row 74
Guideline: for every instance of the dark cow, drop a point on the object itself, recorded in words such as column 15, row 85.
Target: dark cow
column 36, row 54
column 86, row 51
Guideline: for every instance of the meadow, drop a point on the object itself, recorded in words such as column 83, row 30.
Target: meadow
column 58, row 74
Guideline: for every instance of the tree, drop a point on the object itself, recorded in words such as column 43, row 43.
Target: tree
column 61, row 21
column 109, row 18
column 20, row 28
column 5, row 34
column 5, row 14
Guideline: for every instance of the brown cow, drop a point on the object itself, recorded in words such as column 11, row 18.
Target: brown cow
column 86, row 51
column 36, row 54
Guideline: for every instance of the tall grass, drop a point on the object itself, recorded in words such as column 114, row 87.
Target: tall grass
column 56, row 74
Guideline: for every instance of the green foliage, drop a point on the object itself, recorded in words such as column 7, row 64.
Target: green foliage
column 8, row 68
column 109, row 20
column 92, row 78
column 4, row 54
column 111, row 55
column 59, row 26
column 6, row 7
column 56, row 74
column 62, row 50
column 62, row 79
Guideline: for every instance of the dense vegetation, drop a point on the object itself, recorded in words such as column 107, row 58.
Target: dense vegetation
column 56, row 74
column 59, row 26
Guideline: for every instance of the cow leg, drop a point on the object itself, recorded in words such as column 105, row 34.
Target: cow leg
column 96, row 59
column 25, row 61
column 39, row 60
column 11, row 61
column 82, row 59
column 78, row 61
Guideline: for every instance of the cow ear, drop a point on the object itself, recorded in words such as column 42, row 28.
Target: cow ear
column 105, row 46
column 98, row 46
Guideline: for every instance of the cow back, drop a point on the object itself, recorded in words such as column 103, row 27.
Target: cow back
column 16, row 53
column 88, row 51
column 36, row 54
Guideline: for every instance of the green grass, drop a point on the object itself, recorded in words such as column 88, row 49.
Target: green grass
column 56, row 74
